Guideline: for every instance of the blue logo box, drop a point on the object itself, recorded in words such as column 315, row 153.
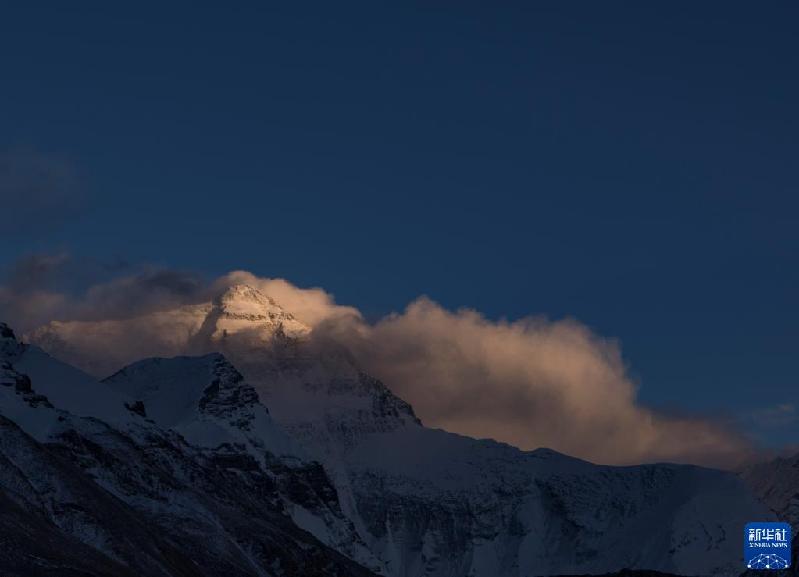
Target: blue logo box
column 767, row 546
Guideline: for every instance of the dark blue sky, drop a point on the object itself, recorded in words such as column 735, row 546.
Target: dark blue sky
column 632, row 164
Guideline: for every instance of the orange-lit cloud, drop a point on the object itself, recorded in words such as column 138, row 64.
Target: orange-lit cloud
column 530, row 383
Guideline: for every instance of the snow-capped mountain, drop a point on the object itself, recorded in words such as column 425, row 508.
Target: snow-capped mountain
column 118, row 494
column 410, row 501
column 204, row 399
column 242, row 308
column 207, row 401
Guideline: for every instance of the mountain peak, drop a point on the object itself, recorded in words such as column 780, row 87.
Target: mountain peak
column 244, row 309
column 205, row 399
column 241, row 294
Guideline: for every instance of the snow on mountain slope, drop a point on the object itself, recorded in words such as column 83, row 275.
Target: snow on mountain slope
column 433, row 503
column 56, row 384
column 243, row 308
column 206, row 400
column 136, row 498
column 427, row 502
column 538, row 513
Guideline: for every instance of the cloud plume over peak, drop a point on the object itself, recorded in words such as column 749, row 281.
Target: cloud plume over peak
column 530, row 383
column 312, row 306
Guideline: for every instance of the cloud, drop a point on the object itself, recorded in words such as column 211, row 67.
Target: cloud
column 311, row 305
column 531, row 382
column 148, row 290
column 27, row 297
column 39, row 288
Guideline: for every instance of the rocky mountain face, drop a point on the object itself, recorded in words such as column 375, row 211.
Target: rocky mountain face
column 117, row 494
column 334, row 455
